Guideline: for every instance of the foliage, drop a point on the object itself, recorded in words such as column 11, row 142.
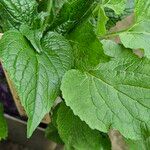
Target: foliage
column 3, row 125
column 67, row 49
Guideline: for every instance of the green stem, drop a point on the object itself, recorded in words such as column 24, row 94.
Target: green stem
column 113, row 34
column 116, row 33
column 49, row 8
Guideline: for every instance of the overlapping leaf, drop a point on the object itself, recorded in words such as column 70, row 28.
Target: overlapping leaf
column 142, row 10
column 117, row 5
column 101, row 21
column 52, row 129
column 71, row 13
column 138, row 36
column 116, row 95
column 33, row 36
column 52, row 134
column 109, row 12
column 35, row 76
column 114, row 18
column 76, row 134
column 87, row 48
column 139, row 145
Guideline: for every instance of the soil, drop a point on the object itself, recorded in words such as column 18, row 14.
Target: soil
column 8, row 145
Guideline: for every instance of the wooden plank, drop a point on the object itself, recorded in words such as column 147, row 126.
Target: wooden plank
column 15, row 95
column 117, row 140
column 16, row 99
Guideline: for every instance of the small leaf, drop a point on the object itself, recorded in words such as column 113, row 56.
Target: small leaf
column 138, row 37
column 36, row 77
column 101, row 22
column 76, row 134
column 114, row 18
column 3, row 125
column 34, row 36
column 115, row 95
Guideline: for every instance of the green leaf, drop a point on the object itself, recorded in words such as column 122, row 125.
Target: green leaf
column 101, row 22
column 129, row 8
column 58, row 4
column 45, row 7
column 52, row 129
column 117, row 5
column 3, row 125
column 87, row 48
column 115, row 95
column 138, row 37
column 71, row 13
column 36, row 77
column 114, row 18
column 34, row 36
column 142, row 10
column 139, row 145
column 76, row 134
column 51, row 8
column 52, row 134
column 13, row 13
column 110, row 12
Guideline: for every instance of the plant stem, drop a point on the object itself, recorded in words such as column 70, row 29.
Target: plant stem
column 49, row 8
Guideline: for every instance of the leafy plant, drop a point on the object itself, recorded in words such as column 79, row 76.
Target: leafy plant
column 51, row 48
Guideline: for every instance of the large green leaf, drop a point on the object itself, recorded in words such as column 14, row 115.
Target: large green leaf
column 76, row 134
column 71, row 13
column 3, row 125
column 115, row 95
column 87, row 48
column 13, row 13
column 35, row 76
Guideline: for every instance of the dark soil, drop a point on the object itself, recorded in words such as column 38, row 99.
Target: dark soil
column 5, row 96
column 7, row 145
